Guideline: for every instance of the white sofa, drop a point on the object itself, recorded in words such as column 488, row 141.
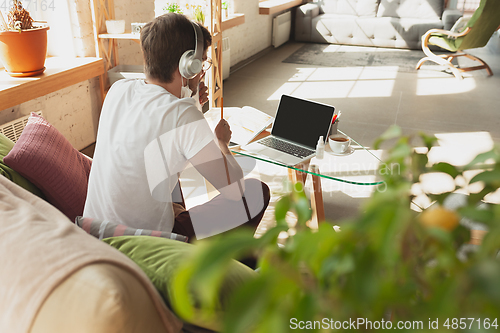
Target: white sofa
column 382, row 23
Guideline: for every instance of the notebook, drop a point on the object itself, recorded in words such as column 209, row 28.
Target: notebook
column 246, row 123
column 296, row 129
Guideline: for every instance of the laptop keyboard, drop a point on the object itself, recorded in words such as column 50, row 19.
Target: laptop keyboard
column 286, row 147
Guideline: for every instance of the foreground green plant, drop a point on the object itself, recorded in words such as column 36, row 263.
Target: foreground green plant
column 388, row 266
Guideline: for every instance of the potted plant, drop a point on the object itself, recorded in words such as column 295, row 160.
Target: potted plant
column 172, row 8
column 199, row 16
column 389, row 268
column 23, row 46
column 225, row 8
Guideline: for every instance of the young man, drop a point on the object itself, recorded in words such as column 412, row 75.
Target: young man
column 149, row 130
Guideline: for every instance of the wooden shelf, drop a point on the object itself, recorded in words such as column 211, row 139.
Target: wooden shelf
column 105, row 10
column 270, row 7
column 233, row 21
column 126, row 35
column 59, row 73
column 228, row 23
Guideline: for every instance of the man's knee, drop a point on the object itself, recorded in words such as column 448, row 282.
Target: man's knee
column 257, row 191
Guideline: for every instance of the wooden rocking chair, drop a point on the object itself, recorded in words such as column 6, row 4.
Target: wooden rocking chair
column 477, row 32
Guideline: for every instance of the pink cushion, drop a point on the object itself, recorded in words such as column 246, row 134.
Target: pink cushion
column 48, row 160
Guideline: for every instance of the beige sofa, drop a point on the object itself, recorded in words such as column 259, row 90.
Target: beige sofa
column 381, row 23
column 57, row 278
column 54, row 276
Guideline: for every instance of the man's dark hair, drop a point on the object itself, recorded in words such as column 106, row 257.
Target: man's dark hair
column 164, row 40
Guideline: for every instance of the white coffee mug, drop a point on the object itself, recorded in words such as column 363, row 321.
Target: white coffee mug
column 339, row 143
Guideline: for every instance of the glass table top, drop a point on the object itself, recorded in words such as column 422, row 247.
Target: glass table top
column 359, row 166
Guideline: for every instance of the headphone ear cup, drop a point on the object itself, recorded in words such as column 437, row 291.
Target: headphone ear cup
column 184, row 64
column 189, row 67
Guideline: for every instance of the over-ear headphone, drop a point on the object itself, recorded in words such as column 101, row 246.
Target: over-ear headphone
column 191, row 61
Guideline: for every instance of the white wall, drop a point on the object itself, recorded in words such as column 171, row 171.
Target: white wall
column 141, row 11
column 251, row 37
column 74, row 110
column 247, row 39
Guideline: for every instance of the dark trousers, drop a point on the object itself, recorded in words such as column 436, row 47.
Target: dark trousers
column 257, row 196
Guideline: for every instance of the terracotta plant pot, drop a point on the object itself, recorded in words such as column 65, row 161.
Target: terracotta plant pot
column 23, row 53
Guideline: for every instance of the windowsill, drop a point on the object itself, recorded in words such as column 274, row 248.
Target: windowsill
column 270, row 7
column 232, row 21
column 59, row 73
column 126, row 35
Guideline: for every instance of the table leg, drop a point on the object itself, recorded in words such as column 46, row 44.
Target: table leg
column 318, row 208
column 476, row 236
column 298, row 176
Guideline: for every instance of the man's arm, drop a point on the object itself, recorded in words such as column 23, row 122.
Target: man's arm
column 216, row 163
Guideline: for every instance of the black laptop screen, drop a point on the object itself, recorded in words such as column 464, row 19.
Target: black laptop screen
column 302, row 121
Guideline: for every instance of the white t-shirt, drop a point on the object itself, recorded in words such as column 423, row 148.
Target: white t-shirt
column 146, row 137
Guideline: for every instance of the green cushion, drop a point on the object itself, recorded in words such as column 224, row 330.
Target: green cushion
column 6, row 146
column 160, row 257
column 445, row 42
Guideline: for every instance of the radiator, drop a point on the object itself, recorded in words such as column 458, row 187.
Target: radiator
column 13, row 129
column 226, row 58
column 281, row 28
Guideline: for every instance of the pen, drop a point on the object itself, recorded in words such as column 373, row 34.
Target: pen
column 334, row 118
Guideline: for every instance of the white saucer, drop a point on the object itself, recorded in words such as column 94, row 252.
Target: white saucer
column 349, row 151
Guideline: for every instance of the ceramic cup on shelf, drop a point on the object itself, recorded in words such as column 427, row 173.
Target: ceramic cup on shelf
column 339, row 143
column 115, row 26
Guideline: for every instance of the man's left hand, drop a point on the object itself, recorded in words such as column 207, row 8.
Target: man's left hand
column 203, row 93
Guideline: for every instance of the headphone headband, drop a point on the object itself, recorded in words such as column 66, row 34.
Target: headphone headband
column 191, row 62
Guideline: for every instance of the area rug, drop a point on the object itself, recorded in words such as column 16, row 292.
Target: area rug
column 331, row 55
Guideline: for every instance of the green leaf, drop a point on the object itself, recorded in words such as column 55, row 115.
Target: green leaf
column 491, row 243
column 460, row 236
column 401, row 150
column 476, row 214
column 482, row 158
column 303, row 210
column 439, row 197
column 392, row 132
column 429, row 140
column 489, row 177
column 446, row 168
column 282, row 207
column 247, row 305
column 183, row 302
column 485, row 274
column 298, row 191
column 270, row 238
column 419, row 162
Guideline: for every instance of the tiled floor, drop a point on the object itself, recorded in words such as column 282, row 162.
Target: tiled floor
column 462, row 113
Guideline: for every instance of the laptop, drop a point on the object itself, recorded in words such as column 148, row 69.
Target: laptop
column 296, row 129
